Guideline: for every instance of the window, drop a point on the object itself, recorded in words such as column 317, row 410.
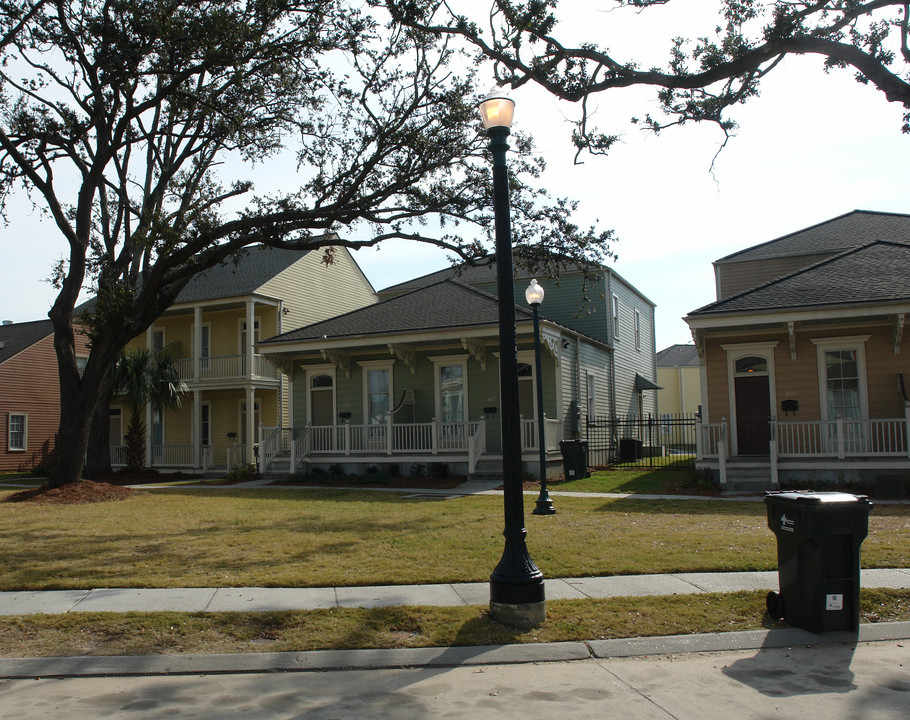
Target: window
column 451, row 392
column 379, row 389
column 206, row 423
column 18, row 432
column 637, row 330
column 616, row 317
column 842, row 377
column 205, row 346
column 591, row 396
column 751, row 364
column 842, row 384
column 157, row 340
column 243, row 337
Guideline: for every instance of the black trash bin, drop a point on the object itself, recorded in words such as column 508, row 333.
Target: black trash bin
column 818, row 539
column 574, row 458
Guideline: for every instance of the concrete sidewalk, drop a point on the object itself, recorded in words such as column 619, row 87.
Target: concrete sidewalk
column 274, row 599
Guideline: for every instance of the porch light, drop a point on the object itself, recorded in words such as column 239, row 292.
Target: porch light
column 516, row 584
column 534, row 296
column 497, row 109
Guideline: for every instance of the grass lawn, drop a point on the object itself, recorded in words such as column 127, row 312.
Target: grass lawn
column 313, row 538
column 645, row 482
column 340, row 628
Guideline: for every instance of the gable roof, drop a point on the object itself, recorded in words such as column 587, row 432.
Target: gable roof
column 17, row 337
column 677, row 356
column 878, row 272
column 484, row 274
column 256, row 266
column 851, row 230
column 441, row 306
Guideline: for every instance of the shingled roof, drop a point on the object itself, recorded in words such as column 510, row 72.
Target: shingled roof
column 256, row 266
column 443, row 305
column 878, row 272
column 677, row 356
column 845, row 232
column 17, row 337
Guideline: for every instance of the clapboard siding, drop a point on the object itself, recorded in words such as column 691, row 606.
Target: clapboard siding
column 29, row 384
column 734, row 277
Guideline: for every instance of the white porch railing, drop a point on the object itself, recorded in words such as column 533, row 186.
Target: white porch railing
column 168, row 456
column 553, row 433
column 880, row 437
column 225, row 367
column 477, row 445
column 432, row 438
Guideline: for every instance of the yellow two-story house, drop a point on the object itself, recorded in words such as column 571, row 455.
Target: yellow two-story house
column 211, row 332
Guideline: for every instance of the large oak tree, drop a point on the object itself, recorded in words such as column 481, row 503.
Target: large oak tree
column 133, row 125
column 702, row 78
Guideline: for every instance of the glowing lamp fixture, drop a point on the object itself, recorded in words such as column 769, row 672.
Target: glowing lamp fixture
column 534, row 293
column 497, row 109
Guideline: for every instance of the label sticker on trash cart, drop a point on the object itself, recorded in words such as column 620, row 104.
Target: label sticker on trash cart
column 834, row 602
column 786, row 524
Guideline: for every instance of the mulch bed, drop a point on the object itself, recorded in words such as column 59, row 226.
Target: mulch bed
column 78, row 493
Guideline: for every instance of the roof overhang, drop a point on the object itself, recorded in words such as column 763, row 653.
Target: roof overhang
column 711, row 321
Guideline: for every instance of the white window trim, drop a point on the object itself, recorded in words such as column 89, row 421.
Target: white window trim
column 241, row 323
column 9, row 432
column 851, row 342
column 527, row 357
column 117, row 413
column 151, row 338
column 734, row 352
column 440, row 360
column 368, row 365
column 257, row 404
column 637, row 329
column 206, row 404
column 590, row 393
column 312, row 370
column 615, row 317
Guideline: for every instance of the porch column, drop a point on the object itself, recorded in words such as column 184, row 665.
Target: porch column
column 291, row 417
column 251, row 430
column 907, row 425
column 722, row 452
column 149, row 344
column 197, row 428
column 197, row 343
column 250, row 336
column 772, row 450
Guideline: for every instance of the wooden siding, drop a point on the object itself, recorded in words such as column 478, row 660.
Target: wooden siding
column 629, row 359
column 799, row 380
column 681, row 391
column 734, row 277
column 29, row 385
column 312, row 291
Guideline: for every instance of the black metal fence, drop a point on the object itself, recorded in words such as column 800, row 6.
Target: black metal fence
column 645, row 441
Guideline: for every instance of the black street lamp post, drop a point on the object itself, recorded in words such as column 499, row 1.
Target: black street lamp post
column 534, row 295
column 516, row 585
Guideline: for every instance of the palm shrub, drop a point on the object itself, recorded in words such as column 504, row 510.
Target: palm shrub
column 143, row 378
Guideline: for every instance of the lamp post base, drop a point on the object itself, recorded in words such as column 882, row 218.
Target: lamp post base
column 544, row 505
column 520, row 615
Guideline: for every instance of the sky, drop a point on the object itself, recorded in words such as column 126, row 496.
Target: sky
column 810, row 148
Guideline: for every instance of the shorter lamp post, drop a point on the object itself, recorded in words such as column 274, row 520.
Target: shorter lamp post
column 534, row 295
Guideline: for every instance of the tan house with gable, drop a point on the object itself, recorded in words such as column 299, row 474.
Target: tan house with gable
column 679, row 377
column 211, row 332
column 805, row 369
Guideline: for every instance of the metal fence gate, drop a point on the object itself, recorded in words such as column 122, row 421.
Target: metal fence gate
column 651, row 441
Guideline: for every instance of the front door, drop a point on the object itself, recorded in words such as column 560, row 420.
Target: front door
column 753, row 412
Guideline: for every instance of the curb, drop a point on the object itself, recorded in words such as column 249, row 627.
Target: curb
column 373, row 659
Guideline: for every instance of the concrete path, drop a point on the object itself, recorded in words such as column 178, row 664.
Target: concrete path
column 745, row 675
column 255, row 599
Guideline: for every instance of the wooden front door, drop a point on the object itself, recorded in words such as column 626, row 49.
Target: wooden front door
column 753, row 411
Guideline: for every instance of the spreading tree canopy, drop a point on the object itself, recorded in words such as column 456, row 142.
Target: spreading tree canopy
column 134, row 125
column 703, row 77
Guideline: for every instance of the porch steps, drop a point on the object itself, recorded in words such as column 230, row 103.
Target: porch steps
column 752, row 477
column 279, row 467
column 487, row 470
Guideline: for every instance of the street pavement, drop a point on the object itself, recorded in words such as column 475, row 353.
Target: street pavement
column 742, row 675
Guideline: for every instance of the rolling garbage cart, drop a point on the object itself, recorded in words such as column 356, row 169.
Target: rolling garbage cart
column 818, row 540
